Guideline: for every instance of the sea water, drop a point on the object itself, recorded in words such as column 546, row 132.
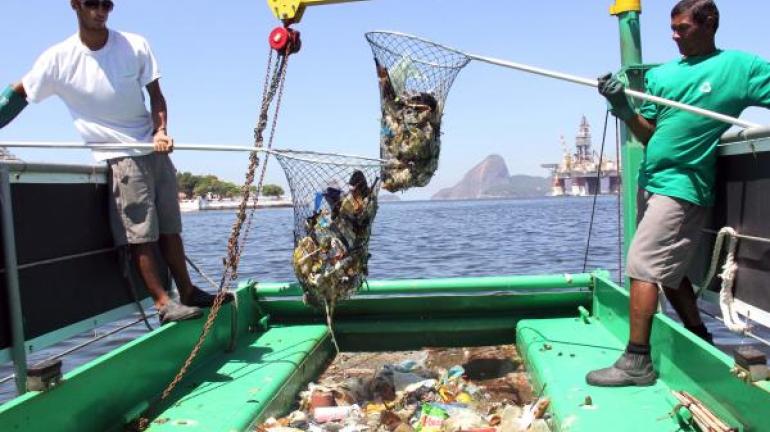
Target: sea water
column 423, row 239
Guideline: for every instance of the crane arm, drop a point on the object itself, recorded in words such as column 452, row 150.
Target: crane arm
column 290, row 11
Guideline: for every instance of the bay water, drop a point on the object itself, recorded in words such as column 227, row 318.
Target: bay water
column 415, row 239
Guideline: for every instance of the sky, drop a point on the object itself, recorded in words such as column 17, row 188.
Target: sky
column 213, row 54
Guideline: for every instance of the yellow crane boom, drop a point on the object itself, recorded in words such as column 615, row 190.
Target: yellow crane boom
column 290, row 11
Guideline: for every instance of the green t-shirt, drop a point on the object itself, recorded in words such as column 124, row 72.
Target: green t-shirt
column 680, row 158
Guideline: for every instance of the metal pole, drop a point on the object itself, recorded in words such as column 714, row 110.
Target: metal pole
column 630, row 53
column 18, row 349
column 629, row 92
column 631, row 149
column 292, row 154
column 123, row 146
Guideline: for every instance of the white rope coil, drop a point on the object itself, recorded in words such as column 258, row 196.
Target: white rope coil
column 726, row 299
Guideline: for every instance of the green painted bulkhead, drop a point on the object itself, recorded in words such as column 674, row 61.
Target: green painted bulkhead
column 282, row 344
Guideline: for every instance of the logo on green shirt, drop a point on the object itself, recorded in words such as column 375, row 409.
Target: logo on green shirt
column 705, row 87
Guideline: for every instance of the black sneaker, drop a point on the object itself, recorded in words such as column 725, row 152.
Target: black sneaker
column 202, row 299
column 630, row 370
column 174, row 311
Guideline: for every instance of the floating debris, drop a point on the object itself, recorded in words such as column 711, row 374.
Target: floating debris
column 434, row 390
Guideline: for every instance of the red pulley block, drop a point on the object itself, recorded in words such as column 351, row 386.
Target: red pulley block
column 285, row 40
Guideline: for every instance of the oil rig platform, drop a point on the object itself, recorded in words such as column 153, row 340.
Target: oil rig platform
column 578, row 173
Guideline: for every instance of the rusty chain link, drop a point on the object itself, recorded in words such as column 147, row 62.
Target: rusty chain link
column 258, row 191
column 237, row 239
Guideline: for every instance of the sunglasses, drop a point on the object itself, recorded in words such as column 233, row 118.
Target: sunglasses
column 105, row 5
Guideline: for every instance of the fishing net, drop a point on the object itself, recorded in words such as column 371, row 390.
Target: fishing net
column 335, row 201
column 414, row 78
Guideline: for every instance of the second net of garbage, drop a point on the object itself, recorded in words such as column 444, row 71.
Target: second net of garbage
column 335, row 202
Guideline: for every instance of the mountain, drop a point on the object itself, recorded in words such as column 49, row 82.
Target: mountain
column 491, row 179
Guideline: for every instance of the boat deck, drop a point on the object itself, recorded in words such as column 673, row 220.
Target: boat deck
column 230, row 391
column 560, row 352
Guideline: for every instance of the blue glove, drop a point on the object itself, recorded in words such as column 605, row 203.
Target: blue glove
column 612, row 89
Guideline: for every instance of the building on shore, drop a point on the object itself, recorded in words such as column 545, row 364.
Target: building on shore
column 578, row 173
column 203, row 203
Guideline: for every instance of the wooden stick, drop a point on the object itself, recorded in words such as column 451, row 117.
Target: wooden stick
column 703, row 417
column 711, row 415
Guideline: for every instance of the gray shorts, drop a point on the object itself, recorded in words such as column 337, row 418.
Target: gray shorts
column 667, row 236
column 145, row 198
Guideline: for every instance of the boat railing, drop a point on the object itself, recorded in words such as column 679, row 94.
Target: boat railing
column 745, row 135
column 61, row 272
column 742, row 207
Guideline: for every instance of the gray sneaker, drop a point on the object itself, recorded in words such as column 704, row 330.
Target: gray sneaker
column 630, row 370
column 174, row 311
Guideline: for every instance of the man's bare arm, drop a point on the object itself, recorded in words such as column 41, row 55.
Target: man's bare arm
column 163, row 142
column 157, row 106
column 19, row 88
column 642, row 128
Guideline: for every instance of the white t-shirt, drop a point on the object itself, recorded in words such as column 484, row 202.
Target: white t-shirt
column 103, row 89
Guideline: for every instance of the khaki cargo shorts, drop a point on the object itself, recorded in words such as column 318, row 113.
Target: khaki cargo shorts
column 667, row 236
column 144, row 200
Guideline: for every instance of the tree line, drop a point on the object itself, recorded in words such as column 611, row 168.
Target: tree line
column 192, row 185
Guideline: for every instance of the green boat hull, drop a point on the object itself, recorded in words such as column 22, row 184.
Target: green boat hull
column 564, row 325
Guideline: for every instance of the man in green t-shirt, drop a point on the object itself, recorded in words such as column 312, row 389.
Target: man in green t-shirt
column 676, row 177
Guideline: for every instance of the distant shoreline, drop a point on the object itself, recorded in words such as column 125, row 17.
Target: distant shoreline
column 270, row 203
column 201, row 204
column 503, row 198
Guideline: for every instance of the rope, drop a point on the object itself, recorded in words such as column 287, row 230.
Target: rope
column 596, row 191
column 125, row 258
column 726, row 300
column 234, row 315
column 715, row 255
column 234, row 245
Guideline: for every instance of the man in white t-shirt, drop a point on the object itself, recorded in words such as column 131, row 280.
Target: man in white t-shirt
column 100, row 74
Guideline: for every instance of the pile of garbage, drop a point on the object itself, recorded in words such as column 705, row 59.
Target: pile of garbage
column 410, row 131
column 417, row 395
column 330, row 259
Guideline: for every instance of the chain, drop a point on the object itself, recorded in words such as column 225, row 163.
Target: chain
column 234, row 245
column 258, row 190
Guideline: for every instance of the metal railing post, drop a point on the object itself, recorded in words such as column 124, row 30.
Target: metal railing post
column 12, row 282
column 627, row 12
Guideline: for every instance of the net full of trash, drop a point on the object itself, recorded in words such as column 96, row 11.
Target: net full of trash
column 482, row 389
column 335, row 202
column 414, row 78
